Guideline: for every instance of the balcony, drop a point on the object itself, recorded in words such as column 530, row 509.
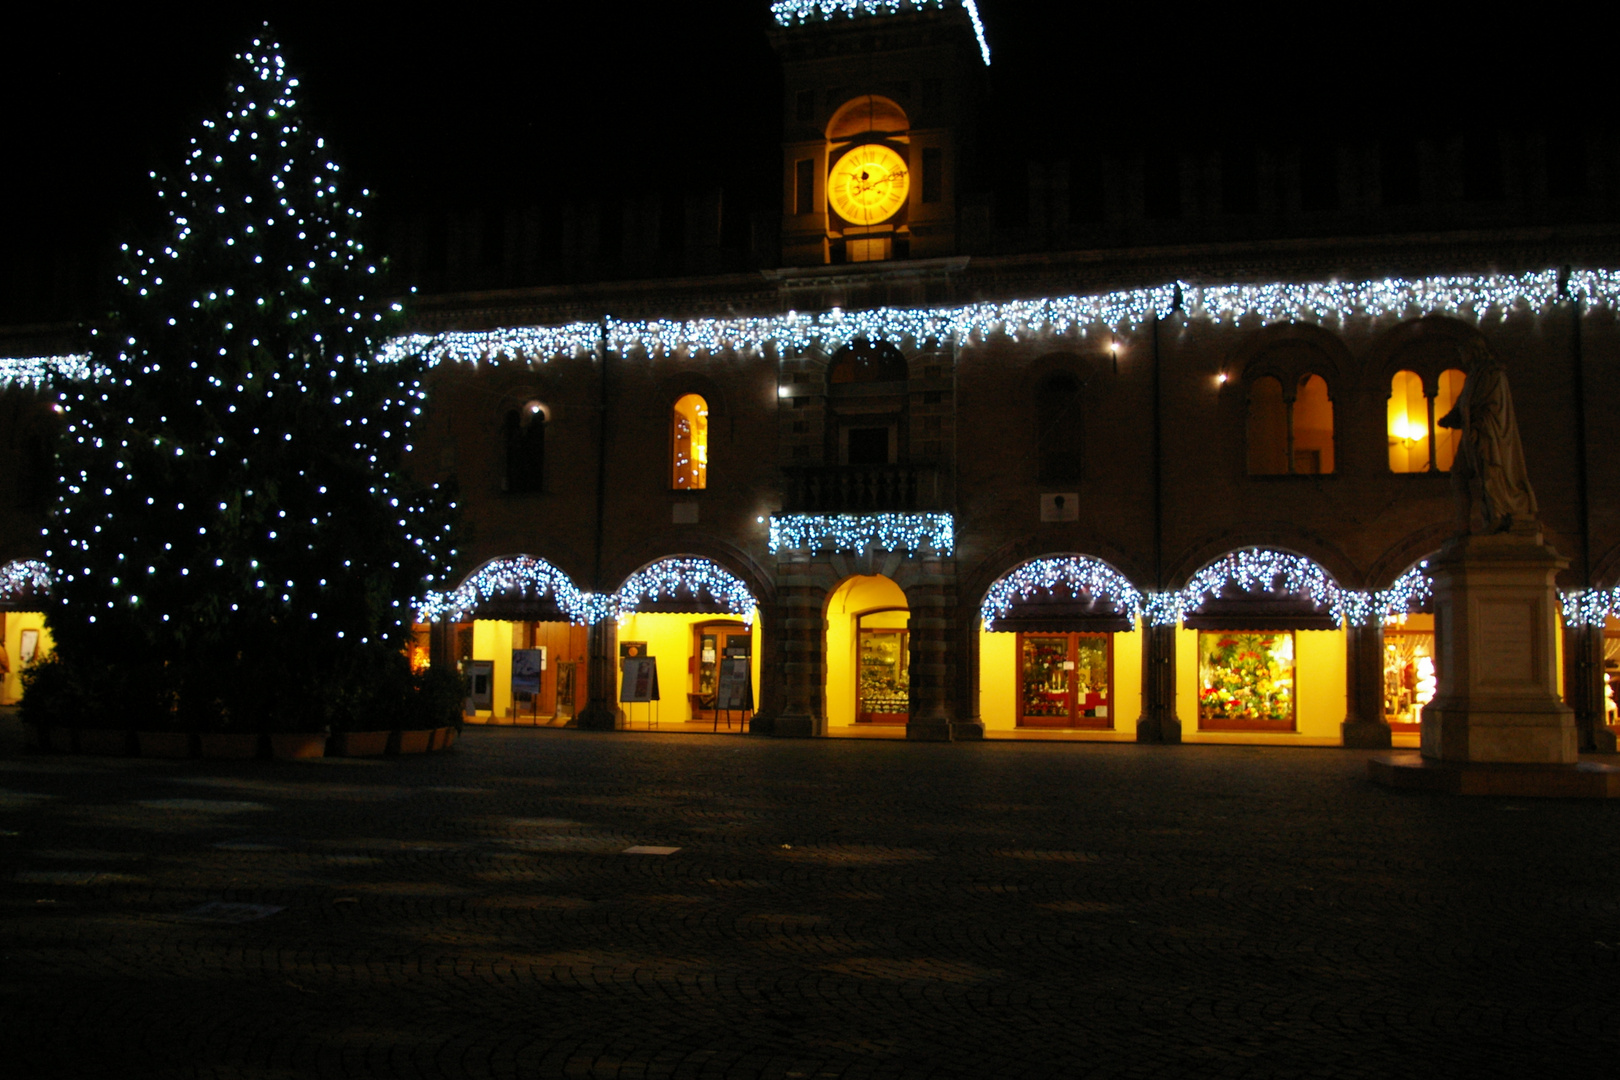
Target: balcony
column 862, row 489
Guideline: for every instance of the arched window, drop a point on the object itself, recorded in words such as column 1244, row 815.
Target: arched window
column 689, row 439
column 525, row 437
column 1058, row 431
column 1290, row 434
column 1268, row 427
column 1312, row 427
column 1415, row 444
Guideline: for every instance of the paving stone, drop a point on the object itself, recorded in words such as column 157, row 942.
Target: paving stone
column 826, row 909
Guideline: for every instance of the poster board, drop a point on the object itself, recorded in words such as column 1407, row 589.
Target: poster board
column 640, row 679
column 480, row 685
column 527, row 664
column 735, row 689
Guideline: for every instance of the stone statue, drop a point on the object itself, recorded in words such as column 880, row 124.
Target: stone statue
column 1489, row 474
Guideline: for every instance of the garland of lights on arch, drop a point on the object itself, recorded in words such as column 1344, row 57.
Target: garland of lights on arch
column 1478, row 297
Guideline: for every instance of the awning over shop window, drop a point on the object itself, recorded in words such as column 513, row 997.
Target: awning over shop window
column 1059, row 611
column 1237, row 608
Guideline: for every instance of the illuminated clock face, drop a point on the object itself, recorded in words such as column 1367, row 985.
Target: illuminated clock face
column 868, row 185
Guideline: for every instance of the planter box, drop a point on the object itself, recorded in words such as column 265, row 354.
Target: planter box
column 436, row 738
column 229, row 745
column 450, row 736
column 286, row 746
column 103, row 742
column 360, row 743
column 415, row 742
column 164, row 744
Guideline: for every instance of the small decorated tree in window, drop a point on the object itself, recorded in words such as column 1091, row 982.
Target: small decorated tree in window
column 237, row 542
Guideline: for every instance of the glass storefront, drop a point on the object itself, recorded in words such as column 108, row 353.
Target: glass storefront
column 885, row 677
column 1065, row 680
column 1409, row 673
column 1246, row 681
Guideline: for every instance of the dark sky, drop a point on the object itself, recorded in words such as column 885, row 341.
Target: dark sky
column 496, row 106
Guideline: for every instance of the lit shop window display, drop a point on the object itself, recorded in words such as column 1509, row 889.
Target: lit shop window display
column 1409, row 673
column 885, row 669
column 689, row 436
column 1611, row 674
column 1065, row 680
column 1245, row 681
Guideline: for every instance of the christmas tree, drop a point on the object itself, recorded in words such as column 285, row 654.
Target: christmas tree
column 236, row 540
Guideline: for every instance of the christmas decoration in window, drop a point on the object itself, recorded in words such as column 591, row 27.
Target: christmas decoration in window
column 1245, row 681
column 689, row 436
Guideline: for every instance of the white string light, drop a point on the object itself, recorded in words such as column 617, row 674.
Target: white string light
column 667, row 579
column 1590, row 607
column 521, row 577
column 798, row 12
column 23, row 580
column 1259, row 570
column 854, row 533
column 1078, row 573
column 1463, row 296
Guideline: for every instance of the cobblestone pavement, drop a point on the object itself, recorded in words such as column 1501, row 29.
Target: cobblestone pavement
column 843, row 909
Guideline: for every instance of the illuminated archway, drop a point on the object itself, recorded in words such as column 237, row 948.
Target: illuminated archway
column 518, row 631
column 1261, row 651
column 868, row 657
column 1059, row 651
column 25, row 584
column 696, row 621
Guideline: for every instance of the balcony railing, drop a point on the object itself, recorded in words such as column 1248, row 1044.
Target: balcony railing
column 857, row 489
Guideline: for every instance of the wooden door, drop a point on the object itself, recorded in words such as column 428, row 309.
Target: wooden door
column 1066, row 680
column 709, row 641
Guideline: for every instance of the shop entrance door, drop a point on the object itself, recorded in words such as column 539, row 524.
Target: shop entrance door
column 709, row 641
column 1066, row 681
column 883, row 687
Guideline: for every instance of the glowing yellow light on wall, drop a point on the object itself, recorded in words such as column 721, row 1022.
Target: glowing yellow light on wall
column 1408, row 424
column 690, row 451
column 869, row 184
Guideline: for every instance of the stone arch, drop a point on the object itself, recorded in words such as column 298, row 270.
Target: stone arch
column 976, row 584
column 1289, row 352
column 1426, row 346
column 1405, row 553
column 733, row 560
column 1278, row 536
column 867, row 114
column 511, row 586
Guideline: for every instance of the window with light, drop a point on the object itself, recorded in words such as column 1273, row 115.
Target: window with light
column 690, row 444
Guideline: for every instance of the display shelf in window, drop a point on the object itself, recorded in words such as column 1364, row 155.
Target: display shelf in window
column 1410, row 677
column 1066, row 680
column 1246, row 681
column 885, row 677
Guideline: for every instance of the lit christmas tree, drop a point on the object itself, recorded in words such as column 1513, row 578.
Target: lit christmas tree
column 235, row 538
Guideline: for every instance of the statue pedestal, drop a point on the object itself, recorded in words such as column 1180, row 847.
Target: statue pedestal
column 1496, row 645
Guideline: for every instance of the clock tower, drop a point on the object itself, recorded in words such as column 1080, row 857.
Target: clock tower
column 878, row 114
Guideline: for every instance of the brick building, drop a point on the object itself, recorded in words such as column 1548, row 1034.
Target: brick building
column 1134, row 446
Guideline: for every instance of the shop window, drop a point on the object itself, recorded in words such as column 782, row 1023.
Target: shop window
column 1611, row 674
column 525, row 437
column 883, row 689
column 1065, row 680
column 690, row 437
column 1245, row 681
column 1290, row 435
column 1058, row 431
column 1410, row 678
column 1413, row 436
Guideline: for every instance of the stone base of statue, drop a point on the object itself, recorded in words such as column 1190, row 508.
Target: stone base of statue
column 1497, row 724
column 1496, row 654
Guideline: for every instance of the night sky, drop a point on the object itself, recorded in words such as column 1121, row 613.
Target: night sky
column 561, row 101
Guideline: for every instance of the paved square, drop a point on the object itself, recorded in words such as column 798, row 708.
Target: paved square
column 834, row 909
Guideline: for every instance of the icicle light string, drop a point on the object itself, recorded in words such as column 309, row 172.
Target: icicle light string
column 854, row 533
column 797, row 12
column 22, row 579
column 1590, row 607
column 1467, row 296
column 1078, row 574
column 669, row 578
